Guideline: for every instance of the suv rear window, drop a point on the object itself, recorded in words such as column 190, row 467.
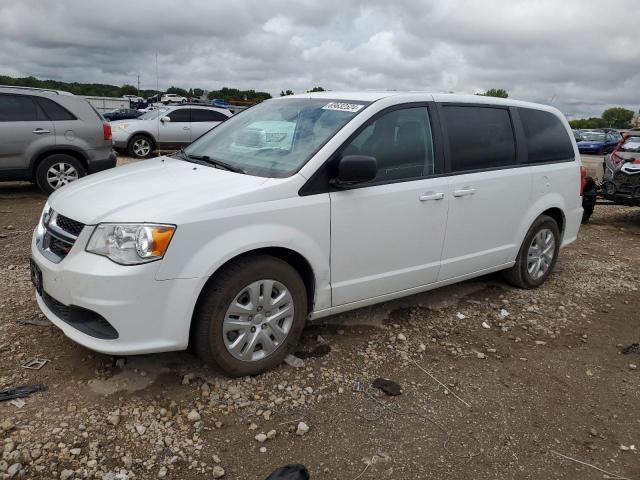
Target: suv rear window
column 479, row 137
column 54, row 111
column 17, row 108
column 547, row 138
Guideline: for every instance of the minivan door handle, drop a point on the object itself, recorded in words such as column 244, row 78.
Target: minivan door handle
column 431, row 196
column 186, row 128
column 40, row 131
column 464, row 192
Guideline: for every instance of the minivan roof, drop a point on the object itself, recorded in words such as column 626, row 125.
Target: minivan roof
column 31, row 90
column 372, row 96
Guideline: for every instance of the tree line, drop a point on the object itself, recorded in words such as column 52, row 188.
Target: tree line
column 105, row 90
column 616, row 117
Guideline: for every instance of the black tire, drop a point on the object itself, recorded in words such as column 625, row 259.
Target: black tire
column 207, row 338
column 588, row 199
column 134, row 147
column 58, row 162
column 518, row 275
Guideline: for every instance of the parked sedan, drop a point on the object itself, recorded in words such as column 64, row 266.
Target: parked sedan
column 170, row 127
column 598, row 143
column 122, row 114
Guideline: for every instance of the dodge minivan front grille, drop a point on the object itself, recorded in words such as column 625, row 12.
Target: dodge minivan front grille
column 59, row 236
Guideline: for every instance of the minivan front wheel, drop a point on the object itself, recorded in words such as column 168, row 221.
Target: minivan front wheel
column 140, row 146
column 58, row 170
column 250, row 316
column 537, row 256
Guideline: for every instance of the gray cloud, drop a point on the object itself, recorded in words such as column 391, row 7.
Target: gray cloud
column 580, row 55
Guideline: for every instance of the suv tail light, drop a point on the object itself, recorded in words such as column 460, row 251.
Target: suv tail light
column 583, row 174
column 106, row 130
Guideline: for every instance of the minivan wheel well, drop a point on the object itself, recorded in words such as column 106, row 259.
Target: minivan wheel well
column 558, row 216
column 58, row 151
column 293, row 258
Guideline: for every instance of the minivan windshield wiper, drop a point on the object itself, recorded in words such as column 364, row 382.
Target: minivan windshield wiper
column 211, row 161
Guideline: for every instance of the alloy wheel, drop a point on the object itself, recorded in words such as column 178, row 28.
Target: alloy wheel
column 60, row 174
column 540, row 254
column 142, row 147
column 258, row 320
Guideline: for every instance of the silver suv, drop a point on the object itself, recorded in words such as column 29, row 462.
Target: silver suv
column 51, row 137
column 168, row 127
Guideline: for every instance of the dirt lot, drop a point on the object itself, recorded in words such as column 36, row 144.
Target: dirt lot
column 541, row 372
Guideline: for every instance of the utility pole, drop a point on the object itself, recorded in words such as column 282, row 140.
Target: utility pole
column 138, row 84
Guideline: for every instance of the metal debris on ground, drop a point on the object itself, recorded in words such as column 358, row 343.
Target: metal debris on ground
column 38, row 322
column 633, row 348
column 18, row 403
column 20, row 392
column 387, row 386
column 290, row 472
column 35, row 363
column 319, row 351
column 359, row 385
column 382, row 411
column 440, row 383
column 609, row 475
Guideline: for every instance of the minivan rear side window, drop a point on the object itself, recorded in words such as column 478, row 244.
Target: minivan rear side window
column 17, row 108
column 54, row 111
column 547, row 138
column 479, row 137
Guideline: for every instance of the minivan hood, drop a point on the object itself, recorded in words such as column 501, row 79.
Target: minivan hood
column 155, row 190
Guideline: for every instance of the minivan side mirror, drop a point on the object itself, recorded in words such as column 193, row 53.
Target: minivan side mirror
column 354, row 169
column 165, row 119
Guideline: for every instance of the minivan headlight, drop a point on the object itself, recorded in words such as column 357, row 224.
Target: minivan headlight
column 131, row 243
column 44, row 219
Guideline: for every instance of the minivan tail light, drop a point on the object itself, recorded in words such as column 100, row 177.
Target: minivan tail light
column 583, row 174
column 106, row 130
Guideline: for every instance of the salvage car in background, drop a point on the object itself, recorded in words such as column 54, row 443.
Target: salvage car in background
column 598, row 143
column 621, row 181
column 303, row 207
column 51, row 137
column 122, row 114
column 168, row 127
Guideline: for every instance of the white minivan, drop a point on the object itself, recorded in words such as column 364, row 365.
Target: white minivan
column 303, row 207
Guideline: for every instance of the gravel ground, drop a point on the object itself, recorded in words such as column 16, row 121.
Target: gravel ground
column 496, row 383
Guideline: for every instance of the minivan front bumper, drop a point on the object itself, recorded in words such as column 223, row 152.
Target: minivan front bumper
column 85, row 294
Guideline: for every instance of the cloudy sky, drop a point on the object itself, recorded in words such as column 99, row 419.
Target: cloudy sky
column 579, row 55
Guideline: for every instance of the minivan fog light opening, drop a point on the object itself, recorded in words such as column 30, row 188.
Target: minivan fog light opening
column 131, row 243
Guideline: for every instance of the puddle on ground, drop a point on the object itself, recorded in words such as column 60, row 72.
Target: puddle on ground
column 141, row 371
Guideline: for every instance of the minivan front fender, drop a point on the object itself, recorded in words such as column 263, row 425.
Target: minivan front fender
column 189, row 257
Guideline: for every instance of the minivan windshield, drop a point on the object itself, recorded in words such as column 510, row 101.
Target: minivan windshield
column 277, row 137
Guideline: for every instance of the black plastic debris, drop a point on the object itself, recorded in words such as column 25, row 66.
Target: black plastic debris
column 19, row 392
column 319, row 351
column 290, row 472
column 387, row 386
column 633, row 348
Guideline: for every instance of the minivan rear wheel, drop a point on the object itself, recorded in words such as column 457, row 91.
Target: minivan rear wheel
column 58, row 170
column 537, row 256
column 140, row 146
column 250, row 316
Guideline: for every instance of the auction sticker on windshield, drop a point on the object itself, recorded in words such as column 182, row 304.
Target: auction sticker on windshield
column 343, row 107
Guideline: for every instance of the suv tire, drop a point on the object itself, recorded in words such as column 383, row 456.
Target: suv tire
column 537, row 256
column 58, row 170
column 252, row 348
column 140, row 146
